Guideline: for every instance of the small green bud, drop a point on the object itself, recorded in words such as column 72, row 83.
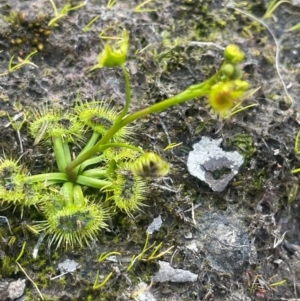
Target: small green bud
column 227, row 70
column 113, row 55
column 241, row 85
column 237, row 73
column 231, row 71
column 233, row 54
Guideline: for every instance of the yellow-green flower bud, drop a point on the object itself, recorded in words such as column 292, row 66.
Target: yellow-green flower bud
column 241, row 85
column 227, row 70
column 237, row 73
column 233, row 54
column 150, row 165
column 113, row 55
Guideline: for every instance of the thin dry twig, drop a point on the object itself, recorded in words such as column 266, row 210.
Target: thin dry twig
column 30, row 280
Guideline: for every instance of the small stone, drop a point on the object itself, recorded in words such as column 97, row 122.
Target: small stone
column 188, row 235
column 16, row 289
column 212, row 165
column 155, row 225
column 167, row 273
column 68, row 266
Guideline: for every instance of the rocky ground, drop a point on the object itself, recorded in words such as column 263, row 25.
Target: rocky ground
column 241, row 243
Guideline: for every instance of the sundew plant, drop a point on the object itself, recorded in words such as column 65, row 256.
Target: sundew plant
column 108, row 174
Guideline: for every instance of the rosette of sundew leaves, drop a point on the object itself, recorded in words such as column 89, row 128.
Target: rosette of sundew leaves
column 117, row 170
column 108, row 169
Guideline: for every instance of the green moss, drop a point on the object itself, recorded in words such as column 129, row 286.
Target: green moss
column 41, row 263
column 43, row 280
column 28, row 295
column 244, row 144
column 8, row 266
column 28, row 31
column 46, row 298
column 62, row 282
column 12, row 18
column 258, row 179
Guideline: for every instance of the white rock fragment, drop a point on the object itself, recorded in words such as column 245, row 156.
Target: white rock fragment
column 209, row 163
column 68, row 266
column 155, row 225
column 16, row 289
column 167, row 273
